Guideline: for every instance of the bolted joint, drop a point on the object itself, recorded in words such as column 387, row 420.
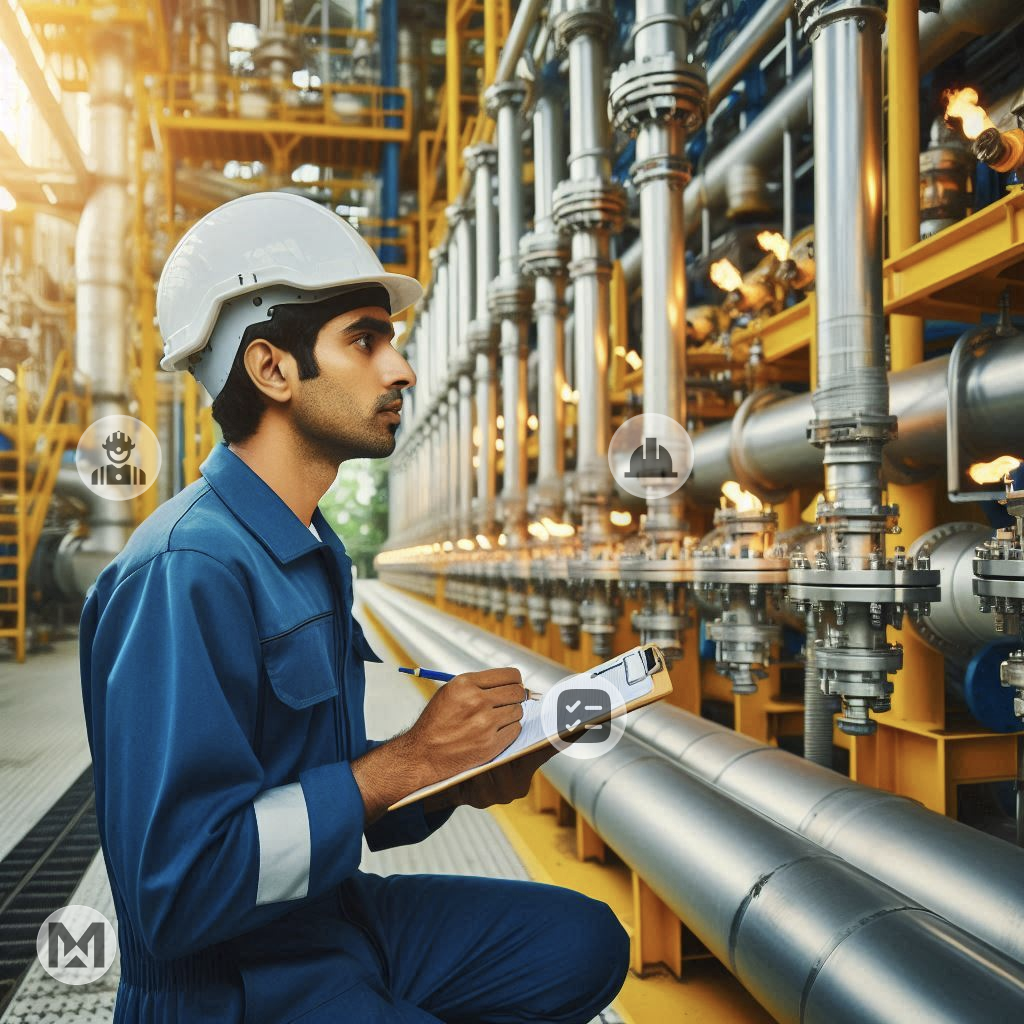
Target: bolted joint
column 455, row 213
column 508, row 298
column 482, row 337
column 814, row 15
column 543, row 255
column 582, row 17
column 860, row 427
column 483, row 154
column 660, row 89
column 504, row 94
column 592, row 205
column 673, row 169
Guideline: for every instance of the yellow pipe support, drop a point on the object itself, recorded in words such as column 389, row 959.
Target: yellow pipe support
column 453, row 92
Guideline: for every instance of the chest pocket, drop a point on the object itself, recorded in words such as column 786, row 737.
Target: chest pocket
column 300, row 663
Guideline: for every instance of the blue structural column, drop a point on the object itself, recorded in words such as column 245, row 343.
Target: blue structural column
column 387, row 23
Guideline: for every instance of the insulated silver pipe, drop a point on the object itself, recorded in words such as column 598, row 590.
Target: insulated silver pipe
column 481, row 161
column 518, row 36
column 509, row 304
column 760, row 142
column 102, row 274
column 766, row 442
column 659, row 98
column 973, row 880
column 455, row 258
column 592, row 207
column 463, row 365
column 544, row 254
column 765, row 23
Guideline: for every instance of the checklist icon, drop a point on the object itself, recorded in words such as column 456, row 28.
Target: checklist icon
column 578, row 707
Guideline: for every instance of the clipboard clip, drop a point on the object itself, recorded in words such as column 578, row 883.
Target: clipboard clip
column 630, row 668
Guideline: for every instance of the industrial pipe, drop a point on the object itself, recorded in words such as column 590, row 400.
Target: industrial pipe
column 481, row 161
column 771, row 440
column 591, row 206
column 765, row 23
column 973, row 880
column 102, row 272
column 509, row 303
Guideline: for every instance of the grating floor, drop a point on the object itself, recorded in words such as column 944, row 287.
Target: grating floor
column 43, row 749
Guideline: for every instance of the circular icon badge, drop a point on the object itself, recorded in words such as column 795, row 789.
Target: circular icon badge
column 651, row 455
column 76, row 945
column 575, row 715
column 118, row 457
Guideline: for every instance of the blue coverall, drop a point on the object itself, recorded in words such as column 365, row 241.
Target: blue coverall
column 223, row 681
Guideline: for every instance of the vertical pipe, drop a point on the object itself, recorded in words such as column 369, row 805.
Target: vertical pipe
column 659, row 97
column 455, row 258
column 543, row 255
column 101, row 264
column 788, row 183
column 482, row 160
column 388, row 32
column 591, row 206
column 508, row 302
column 465, row 237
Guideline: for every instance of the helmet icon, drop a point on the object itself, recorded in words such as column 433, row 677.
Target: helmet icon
column 118, row 446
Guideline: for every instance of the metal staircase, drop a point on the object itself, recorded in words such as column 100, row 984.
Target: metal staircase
column 28, row 472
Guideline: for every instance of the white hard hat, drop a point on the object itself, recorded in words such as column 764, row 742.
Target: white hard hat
column 233, row 265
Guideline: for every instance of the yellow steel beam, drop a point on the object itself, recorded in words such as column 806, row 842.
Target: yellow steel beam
column 977, row 246
column 453, row 91
column 21, row 41
column 782, row 334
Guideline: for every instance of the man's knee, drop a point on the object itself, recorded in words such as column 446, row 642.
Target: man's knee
column 596, row 958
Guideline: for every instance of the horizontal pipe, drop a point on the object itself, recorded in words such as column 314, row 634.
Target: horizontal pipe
column 772, row 443
column 973, row 880
column 765, row 23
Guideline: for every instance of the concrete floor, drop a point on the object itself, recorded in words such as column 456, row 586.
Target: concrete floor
column 43, row 749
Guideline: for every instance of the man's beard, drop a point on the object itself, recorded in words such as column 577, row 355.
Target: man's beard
column 337, row 430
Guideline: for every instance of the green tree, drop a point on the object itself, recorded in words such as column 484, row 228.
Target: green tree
column 356, row 506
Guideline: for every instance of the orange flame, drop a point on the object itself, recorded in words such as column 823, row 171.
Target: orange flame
column 963, row 103
column 773, row 242
column 993, row 472
column 743, row 500
column 726, row 276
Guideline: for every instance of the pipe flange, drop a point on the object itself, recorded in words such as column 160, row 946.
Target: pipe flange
column 999, row 568
column 860, row 661
column 746, row 475
column 504, row 94
column 543, row 255
column 583, row 17
column 814, row 15
column 482, row 337
column 656, row 90
column 859, row 427
column 508, row 298
column 591, row 205
column 483, row 154
column 675, row 170
column 454, row 214
column 1012, row 590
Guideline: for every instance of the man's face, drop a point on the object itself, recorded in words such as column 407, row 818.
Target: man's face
column 342, row 410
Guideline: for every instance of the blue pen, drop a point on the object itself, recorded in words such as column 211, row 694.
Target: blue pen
column 444, row 677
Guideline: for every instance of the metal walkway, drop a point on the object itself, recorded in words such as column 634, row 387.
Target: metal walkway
column 43, row 751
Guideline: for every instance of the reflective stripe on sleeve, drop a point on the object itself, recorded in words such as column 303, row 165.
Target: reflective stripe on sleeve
column 285, row 847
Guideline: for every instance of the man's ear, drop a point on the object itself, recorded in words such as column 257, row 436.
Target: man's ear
column 271, row 369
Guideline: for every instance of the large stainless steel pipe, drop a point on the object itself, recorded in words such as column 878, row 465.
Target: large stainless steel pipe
column 659, row 97
column 102, row 271
column 481, row 161
column 509, row 303
column 766, row 443
column 455, row 258
column 761, row 142
column 973, row 879
column 934, row 861
column 591, row 206
column 543, row 254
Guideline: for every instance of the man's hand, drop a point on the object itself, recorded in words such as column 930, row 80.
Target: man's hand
column 470, row 720
column 503, row 784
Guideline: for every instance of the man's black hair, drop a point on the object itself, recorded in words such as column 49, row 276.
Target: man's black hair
column 292, row 327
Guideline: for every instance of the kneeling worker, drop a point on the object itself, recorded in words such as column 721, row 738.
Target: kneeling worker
column 223, row 680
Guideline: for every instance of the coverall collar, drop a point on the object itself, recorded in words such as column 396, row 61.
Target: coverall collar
column 262, row 511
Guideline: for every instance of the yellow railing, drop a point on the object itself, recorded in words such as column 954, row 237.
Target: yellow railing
column 397, row 235
column 242, row 104
column 39, row 441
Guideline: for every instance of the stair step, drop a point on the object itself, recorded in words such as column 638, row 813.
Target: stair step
column 8, row 559
column 8, row 607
